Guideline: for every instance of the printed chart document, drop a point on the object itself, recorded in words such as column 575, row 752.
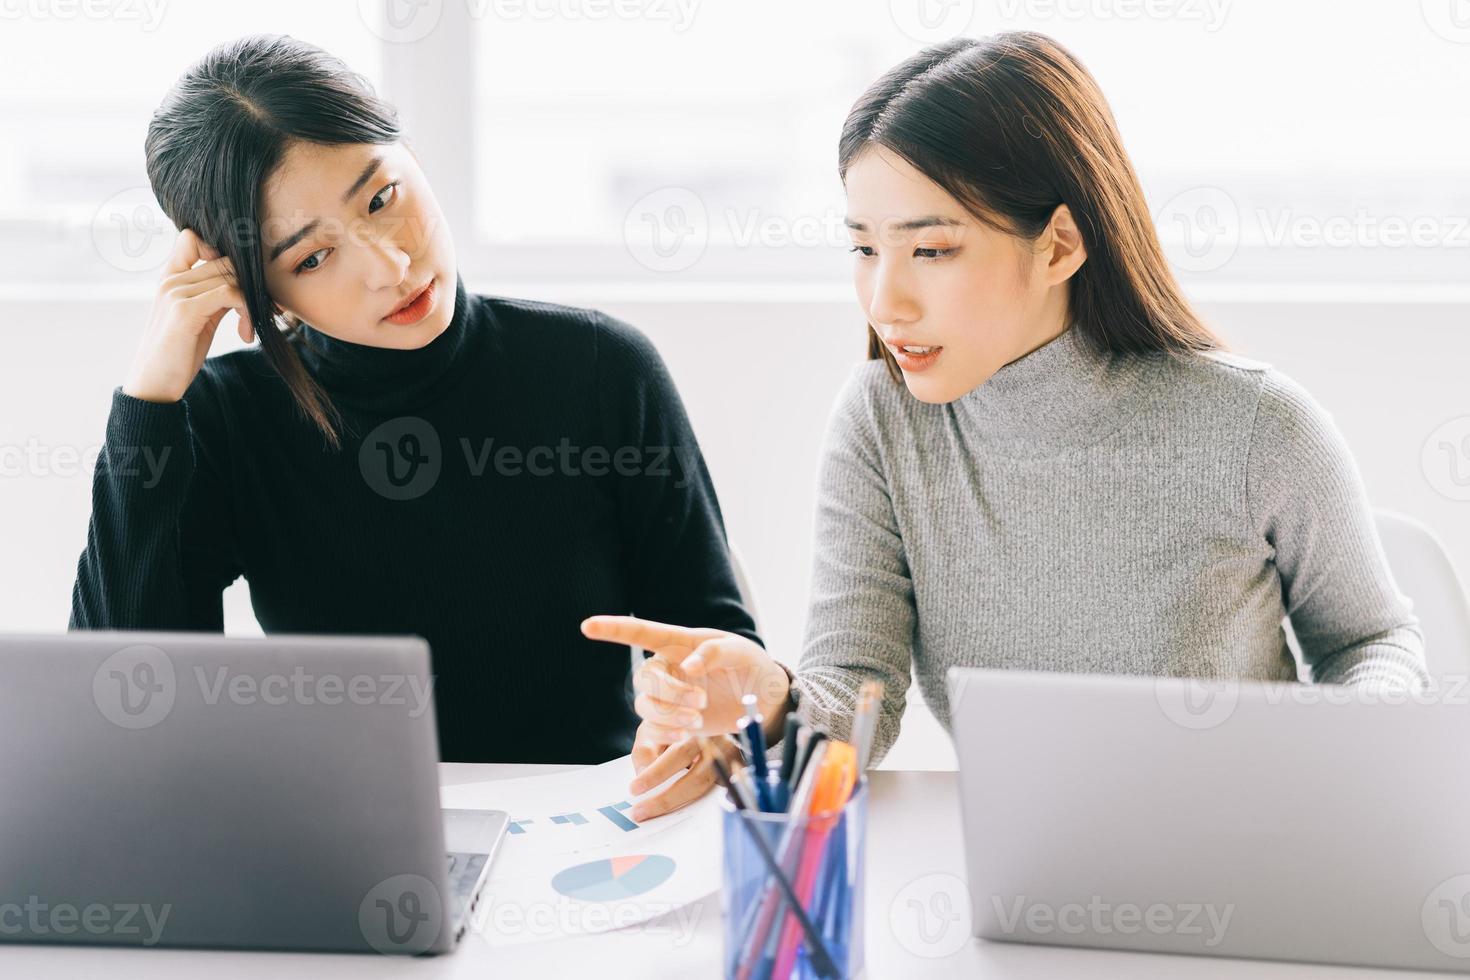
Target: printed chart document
column 574, row 863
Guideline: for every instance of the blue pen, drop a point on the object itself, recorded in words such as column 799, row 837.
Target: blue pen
column 757, row 739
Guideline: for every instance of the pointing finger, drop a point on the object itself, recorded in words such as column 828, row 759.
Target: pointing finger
column 673, row 641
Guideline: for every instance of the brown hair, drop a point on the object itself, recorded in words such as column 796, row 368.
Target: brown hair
column 1011, row 126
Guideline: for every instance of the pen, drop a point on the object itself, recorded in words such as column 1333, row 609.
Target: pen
column 757, row 742
column 804, row 757
column 788, row 760
column 821, row 959
column 870, row 696
column 756, row 931
column 739, row 785
column 835, row 780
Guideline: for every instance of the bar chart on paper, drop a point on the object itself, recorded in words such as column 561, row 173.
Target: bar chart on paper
column 613, row 813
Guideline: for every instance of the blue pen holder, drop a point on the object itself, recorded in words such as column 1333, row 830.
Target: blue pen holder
column 833, row 895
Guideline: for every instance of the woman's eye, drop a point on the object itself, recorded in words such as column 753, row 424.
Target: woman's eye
column 864, row 250
column 389, row 187
column 933, row 253
column 311, row 262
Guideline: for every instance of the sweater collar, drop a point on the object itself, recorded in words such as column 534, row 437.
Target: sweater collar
column 383, row 379
column 1063, row 395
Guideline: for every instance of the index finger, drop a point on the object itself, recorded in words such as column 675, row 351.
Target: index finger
column 646, row 633
column 185, row 252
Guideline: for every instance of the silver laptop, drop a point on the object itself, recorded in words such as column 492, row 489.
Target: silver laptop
column 188, row 789
column 1264, row 820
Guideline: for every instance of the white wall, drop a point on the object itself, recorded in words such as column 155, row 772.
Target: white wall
column 758, row 379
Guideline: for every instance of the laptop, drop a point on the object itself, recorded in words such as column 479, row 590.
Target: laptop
column 1250, row 819
column 191, row 789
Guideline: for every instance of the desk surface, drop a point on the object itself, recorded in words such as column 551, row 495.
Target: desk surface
column 914, row 858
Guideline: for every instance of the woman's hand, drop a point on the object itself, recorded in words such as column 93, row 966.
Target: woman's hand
column 656, row 763
column 191, row 301
column 693, row 683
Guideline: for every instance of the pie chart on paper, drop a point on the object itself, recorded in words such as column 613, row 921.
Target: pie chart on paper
column 610, row 879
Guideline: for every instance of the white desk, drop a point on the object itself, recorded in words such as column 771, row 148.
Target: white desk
column 913, row 833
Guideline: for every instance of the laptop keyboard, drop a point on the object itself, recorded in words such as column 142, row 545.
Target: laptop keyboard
column 464, row 873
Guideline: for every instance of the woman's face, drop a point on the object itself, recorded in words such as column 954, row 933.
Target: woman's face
column 351, row 233
column 966, row 298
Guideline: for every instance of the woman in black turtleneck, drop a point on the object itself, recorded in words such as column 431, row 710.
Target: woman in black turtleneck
column 482, row 472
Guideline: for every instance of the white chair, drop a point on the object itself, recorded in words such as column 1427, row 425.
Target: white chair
column 1423, row 571
column 742, row 582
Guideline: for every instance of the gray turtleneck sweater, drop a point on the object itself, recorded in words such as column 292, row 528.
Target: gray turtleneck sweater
column 1149, row 515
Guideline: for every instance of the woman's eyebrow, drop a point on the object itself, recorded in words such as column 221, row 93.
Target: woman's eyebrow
column 362, row 178
column 912, row 224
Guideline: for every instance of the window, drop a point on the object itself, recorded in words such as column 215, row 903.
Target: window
column 664, row 141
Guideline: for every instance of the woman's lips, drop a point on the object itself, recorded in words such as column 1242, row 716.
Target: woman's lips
column 418, row 308
column 912, row 362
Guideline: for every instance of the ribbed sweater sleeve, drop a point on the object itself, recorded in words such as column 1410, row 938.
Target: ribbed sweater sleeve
column 1307, row 499
column 860, row 624
column 160, row 542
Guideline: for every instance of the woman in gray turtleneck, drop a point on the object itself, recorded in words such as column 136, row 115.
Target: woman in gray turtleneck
column 1048, row 462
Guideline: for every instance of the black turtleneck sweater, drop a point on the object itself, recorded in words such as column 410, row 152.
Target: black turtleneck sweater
column 529, row 467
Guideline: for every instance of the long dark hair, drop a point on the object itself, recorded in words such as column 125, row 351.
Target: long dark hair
column 1011, row 126
column 217, row 137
